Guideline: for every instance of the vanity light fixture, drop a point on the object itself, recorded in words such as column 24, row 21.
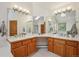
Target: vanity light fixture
column 20, row 9
column 63, row 10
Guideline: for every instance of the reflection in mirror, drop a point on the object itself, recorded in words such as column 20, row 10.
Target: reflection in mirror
column 36, row 24
column 62, row 27
column 51, row 24
column 66, row 23
column 24, row 21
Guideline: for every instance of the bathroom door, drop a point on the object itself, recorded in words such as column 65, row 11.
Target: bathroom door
column 13, row 27
column 42, row 28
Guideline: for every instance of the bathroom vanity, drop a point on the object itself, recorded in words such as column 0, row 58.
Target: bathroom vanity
column 22, row 48
column 63, row 47
column 26, row 45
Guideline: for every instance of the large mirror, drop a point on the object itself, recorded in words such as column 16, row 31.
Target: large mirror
column 63, row 22
column 24, row 22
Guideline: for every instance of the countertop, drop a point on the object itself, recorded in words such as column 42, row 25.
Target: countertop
column 17, row 38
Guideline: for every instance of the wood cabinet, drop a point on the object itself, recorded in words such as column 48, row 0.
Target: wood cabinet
column 62, row 47
column 50, row 44
column 23, row 48
column 71, row 48
column 13, row 27
column 59, row 47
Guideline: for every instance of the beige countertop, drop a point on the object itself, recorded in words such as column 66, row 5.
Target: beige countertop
column 17, row 38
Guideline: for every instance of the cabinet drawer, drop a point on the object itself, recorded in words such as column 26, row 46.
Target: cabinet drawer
column 25, row 42
column 59, row 41
column 16, row 44
column 33, row 40
column 72, row 43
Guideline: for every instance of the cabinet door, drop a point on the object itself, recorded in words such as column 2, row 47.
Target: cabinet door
column 50, row 45
column 19, row 52
column 71, row 51
column 34, row 45
column 59, row 49
column 29, row 47
column 78, row 49
column 25, row 43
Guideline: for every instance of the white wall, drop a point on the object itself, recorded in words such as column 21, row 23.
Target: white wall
column 38, row 9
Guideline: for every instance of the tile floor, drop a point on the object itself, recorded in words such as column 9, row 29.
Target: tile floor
column 43, row 52
column 5, row 51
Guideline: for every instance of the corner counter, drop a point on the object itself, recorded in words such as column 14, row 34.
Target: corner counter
column 18, row 38
column 26, row 45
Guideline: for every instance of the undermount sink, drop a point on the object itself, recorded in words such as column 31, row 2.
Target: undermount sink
column 60, row 34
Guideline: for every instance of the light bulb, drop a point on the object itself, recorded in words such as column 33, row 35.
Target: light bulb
column 15, row 6
column 55, row 12
column 20, row 8
column 63, row 9
column 24, row 10
column 50, row 19
column 59, row 10
column 69, row 8
column 27, row 11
